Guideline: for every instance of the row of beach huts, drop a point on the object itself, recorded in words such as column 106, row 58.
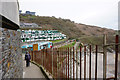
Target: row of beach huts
column 43, row 35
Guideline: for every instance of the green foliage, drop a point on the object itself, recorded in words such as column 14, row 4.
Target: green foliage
column 55, row 41
column 69, row 45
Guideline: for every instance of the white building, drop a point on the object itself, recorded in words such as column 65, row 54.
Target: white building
column 29, row 25
column 34, row 35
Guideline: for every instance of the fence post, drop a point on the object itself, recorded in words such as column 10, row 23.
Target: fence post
column 32, row 56
column 80, row 62
column 84, row 62
column 52, row 61
column 46, row 59
column 68, row 63
column 96, row 63
column 62, row 61
column 116, row 56
column 90, row 64
column 104, row 58
column 42, row 57
column 73, row 63
column 57, row 53
column 76, row 65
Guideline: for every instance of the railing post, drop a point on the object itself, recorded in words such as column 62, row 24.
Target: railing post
column 76, row 64
column 32, row 56
column 104, row 58
column 62, row 63
column 84, row 62
column 116, row 56
column 57, row 53
column 46, row 59
column 52, row 61
column 42, row 56
column 68, row 63
column 90, row 64
column 73, row 63
column 80, row 63
column 96, row 63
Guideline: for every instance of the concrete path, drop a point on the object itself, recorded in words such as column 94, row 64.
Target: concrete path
column 32, row 71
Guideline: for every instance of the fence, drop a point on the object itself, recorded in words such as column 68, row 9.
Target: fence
column 87, row 62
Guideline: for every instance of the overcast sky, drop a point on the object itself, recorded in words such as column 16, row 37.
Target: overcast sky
column 103, row 13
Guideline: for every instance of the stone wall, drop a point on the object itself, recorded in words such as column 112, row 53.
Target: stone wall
column 10, row 54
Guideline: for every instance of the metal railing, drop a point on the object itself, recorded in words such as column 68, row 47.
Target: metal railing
column 84, row 63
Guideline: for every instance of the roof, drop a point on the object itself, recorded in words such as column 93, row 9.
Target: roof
column 28, row 25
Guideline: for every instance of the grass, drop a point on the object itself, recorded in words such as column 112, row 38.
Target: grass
column 55, row 41
column 69, row 45
column 93, row 40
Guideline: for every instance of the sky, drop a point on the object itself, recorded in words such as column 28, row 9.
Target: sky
column 102, row 13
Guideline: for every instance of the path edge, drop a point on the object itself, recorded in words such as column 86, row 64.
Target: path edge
column 43, row 71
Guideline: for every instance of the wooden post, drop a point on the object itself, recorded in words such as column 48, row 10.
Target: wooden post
column 104, row 58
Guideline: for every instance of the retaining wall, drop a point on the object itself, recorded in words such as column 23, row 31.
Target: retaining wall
column 10, row 54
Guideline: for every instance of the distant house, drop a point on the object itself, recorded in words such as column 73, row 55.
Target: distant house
column 26, row 13
column 29, row 25
column 30, row 13
column 20, row 11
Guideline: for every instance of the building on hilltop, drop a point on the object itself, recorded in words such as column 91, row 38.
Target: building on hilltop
column 29, row 25
column 27, row 13
column 20, row 11
column 30, row 13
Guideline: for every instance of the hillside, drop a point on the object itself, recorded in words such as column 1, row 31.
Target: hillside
column 66, row 26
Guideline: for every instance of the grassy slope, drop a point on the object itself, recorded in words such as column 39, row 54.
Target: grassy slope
column 63, row 25
column 71, row 29
column 69, row 45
